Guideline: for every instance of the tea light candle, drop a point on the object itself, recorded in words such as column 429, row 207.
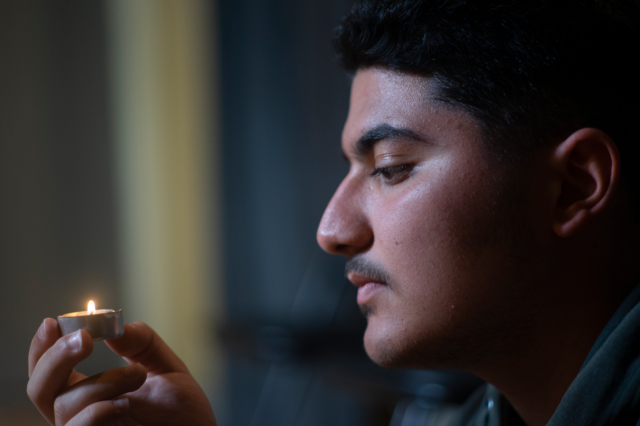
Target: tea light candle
column 101, row 324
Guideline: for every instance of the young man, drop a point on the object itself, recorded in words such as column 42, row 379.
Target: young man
column 489, row 212
column 488, row 218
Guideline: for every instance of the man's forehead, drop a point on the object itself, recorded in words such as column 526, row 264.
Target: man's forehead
column 380, row 96
column 380, row 90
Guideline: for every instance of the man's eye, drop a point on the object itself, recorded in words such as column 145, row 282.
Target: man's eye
column 392, row 174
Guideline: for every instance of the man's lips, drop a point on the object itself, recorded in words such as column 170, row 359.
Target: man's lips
column 368, row 287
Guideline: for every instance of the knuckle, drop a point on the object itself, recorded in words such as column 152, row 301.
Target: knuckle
column 34, row 394
column 124, row 373
column 31, row 393
column 101, row 412
column 59, row 348
column 131, row 373
column 60, row 410
column 91, row 412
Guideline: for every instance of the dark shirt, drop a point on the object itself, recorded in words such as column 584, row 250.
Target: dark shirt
column 606, row 391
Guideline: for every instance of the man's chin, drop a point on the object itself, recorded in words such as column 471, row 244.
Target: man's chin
column 380, row 350
column 387, row 349
column 381, row 347
column 384, row 357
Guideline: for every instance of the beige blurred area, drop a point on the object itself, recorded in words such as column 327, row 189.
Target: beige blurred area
column 108, row 184
column 161, row 70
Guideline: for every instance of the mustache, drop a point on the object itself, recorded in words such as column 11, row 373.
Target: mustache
column 362, row 266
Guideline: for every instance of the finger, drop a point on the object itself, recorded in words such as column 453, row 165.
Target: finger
column 101, row 387
column 103, row 413
column 141, row 344
column 51, row 374
column 47, row 335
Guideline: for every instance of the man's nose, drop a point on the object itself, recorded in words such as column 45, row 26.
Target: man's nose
column 345, row 228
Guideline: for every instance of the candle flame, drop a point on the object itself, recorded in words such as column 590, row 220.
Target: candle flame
column 92, row 308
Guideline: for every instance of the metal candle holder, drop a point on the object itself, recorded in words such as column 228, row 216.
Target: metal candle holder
column 101, row 324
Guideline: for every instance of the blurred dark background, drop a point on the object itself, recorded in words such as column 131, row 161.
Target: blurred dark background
column 97, row 170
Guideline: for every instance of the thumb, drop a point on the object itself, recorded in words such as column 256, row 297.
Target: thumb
column 140, row 344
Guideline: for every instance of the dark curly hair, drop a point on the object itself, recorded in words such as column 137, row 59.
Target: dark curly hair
column 530, row 71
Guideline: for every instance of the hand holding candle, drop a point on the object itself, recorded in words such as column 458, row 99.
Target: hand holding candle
column 156, row 389
column 101, row 324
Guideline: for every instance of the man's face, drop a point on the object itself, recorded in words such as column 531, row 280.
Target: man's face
column 427, row 222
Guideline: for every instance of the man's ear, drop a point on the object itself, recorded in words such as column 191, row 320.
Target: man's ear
column 588, row 163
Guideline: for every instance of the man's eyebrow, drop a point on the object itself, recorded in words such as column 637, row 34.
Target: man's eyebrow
column 365, row 144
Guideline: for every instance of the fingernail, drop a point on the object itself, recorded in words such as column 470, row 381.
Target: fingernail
column 122, row 404
column 42, row 331
column 75, row 341
column 133, row 370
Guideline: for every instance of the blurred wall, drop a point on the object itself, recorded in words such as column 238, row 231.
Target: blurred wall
column 58, row 245
column 284, row 102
